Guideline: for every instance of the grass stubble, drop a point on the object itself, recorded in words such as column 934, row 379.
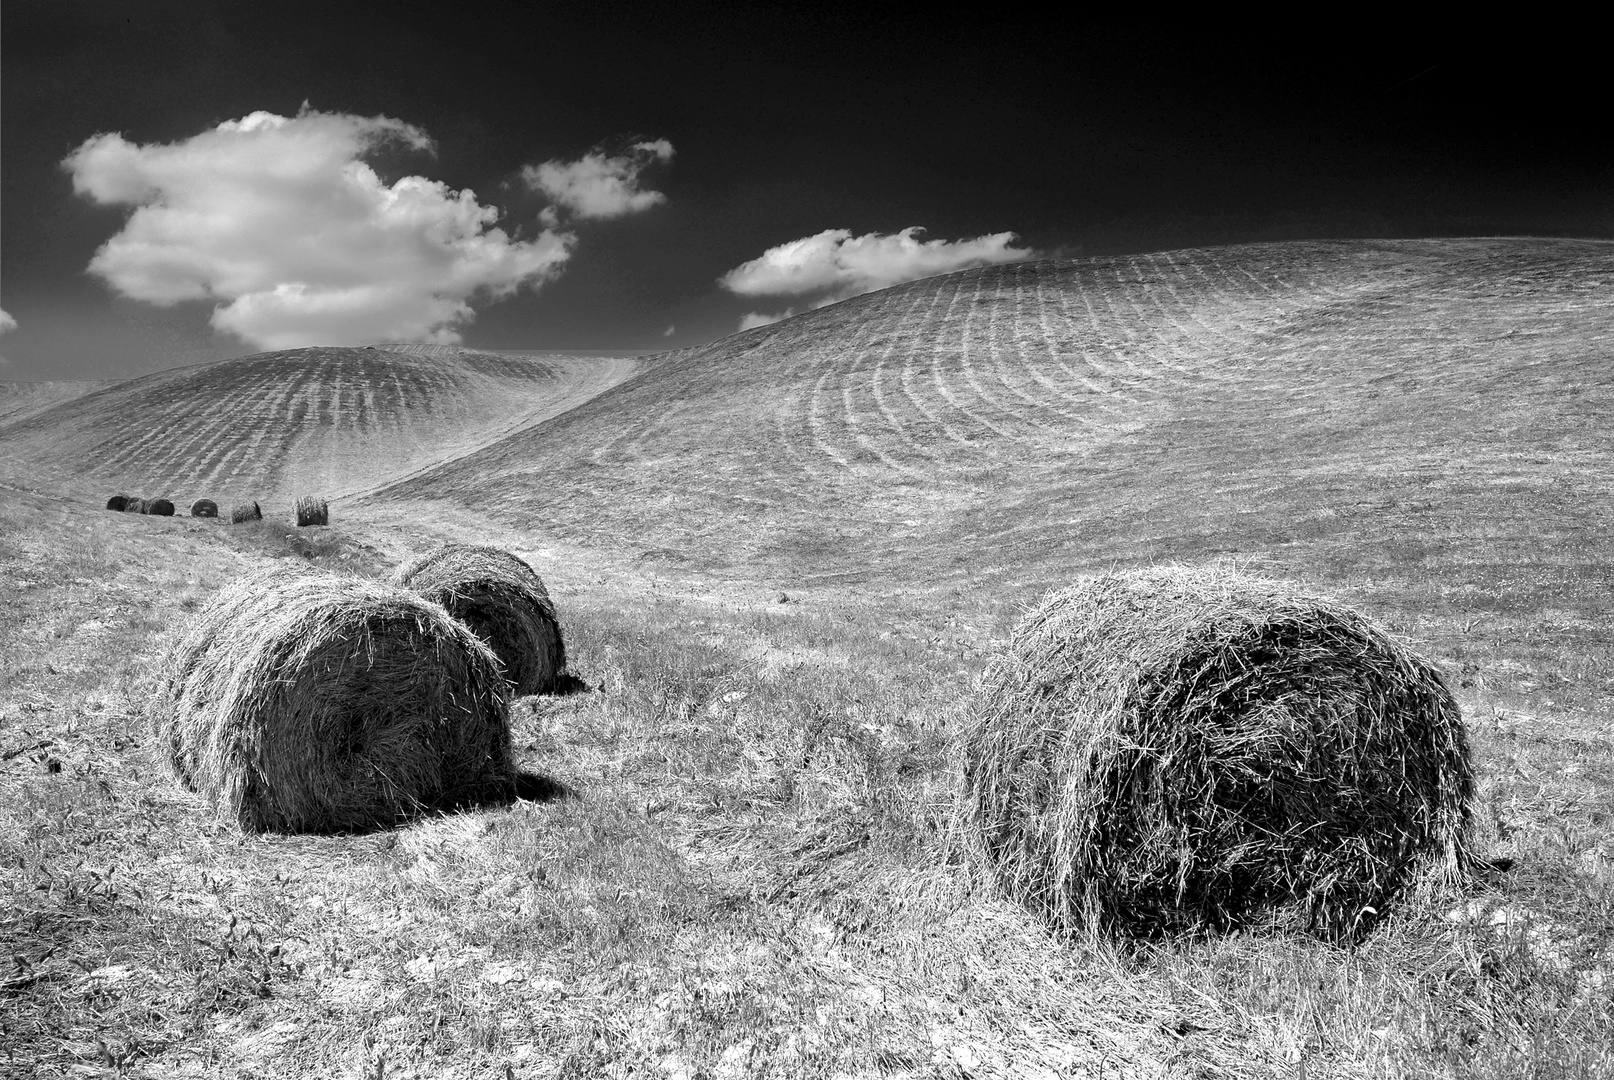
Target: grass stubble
column 755, row 872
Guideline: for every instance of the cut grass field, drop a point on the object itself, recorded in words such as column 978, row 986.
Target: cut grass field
column 742, row 857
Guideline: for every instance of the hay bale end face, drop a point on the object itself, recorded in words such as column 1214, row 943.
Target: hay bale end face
column 503, row 601
column 118, row 502
column 204, row 508
column 160, row 507
column 312, row 511
column 312, row 702
column 244, row 512
column 1172, row 751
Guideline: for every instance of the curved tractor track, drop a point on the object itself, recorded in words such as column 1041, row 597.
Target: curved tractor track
column 1021, row 423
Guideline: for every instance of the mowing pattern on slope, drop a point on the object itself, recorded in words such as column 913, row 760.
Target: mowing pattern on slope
column 320, row 420
column 1023, row 420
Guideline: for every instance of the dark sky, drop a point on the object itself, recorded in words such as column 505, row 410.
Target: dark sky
column 1080, row 137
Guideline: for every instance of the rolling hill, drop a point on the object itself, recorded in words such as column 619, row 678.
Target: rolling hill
column 1352, row 411
column 328, row 421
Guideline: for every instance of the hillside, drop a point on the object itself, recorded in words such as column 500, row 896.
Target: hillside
column 271, row 426
column 1345, row 410
column 20, row 400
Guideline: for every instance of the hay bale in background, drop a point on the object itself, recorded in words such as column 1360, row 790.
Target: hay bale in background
column 137, row 505
column 312, row 702
column 503, row 601
column 312, row 511
column 1172, row 750
column 160, row 507
column 205, row 508
column 118, row 502
column 245, row 512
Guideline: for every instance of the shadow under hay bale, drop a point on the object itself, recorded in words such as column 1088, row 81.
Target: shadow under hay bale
column 118, row 502
column 244, row 512
column 160, row 507
column 503, row 601
column 311, row 702
column 312, row 511
column 1171, row 751
column 204, row 508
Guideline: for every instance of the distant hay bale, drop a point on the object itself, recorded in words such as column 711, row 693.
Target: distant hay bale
column 1169, row 750
column 243, row 512
column 118, row 502
column 312, row 511
column 503, row 601
column 137, row 505
column 204, row 508
column 312, row 702
column 160, row 507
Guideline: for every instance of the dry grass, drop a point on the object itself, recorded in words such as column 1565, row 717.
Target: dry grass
column 312, row 511
column 503, row 601
column 1172, row 750
column 312, row 702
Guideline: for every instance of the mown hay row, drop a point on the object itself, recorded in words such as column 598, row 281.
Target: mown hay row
column 204, row 508
column 312, row 511
column 1170, row 750
column 312, row 702
column 244, row 512
column 503, row 601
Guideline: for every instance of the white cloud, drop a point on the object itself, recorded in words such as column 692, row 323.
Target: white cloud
column 671, row 329
column 281, row 220
column 6, row 321
column 597, row 185
column 834, row 264
column 753, row 319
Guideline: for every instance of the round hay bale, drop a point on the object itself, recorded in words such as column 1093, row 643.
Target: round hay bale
column 1169, row 750
column 137, row 505
column 312, row 702
column 160, row 507
column 118, row 502
column 204, row 508
column 503, row 601
column 243, row 512
column 312, row 511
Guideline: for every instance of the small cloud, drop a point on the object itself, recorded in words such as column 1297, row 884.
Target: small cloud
column 7, row 323
column 754, row 319
column 834, row 264
column 669, row 331
column 282, row 221
column 598, row 185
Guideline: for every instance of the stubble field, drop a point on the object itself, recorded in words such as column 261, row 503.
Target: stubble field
column 780, row 561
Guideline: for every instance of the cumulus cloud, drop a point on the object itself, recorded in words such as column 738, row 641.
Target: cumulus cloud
column 6, row 321
column 599, row 185
column 753, row 319
column 834, row 265
column 282, row 221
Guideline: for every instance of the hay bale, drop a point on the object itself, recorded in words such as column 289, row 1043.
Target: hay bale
column 312, row 511
column 137, row 505
column 243, row 512
column 118, row 502
column 503, row 601
column 1170, row 750
column 204, row 508
column 160, row 507
column 312, row 702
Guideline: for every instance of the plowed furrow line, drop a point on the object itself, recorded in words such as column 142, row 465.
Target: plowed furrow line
column 902, row 428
